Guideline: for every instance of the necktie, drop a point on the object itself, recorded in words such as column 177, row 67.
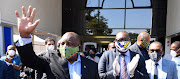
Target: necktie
column 124, row 74
column 156, row 71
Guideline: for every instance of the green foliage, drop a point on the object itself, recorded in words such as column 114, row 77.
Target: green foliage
column 95, row 26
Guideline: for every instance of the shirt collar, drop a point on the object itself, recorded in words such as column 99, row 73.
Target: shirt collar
column 79, row 58
column 159, row 62
column 127, row 53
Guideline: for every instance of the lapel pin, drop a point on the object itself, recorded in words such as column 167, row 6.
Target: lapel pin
column 84, row 66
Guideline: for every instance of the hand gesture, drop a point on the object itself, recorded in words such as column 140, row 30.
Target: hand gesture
column 25, row 23
column 7, row 60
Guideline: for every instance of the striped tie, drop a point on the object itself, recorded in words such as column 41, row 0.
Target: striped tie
column 124, row 74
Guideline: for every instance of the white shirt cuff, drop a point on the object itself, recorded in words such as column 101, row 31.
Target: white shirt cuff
column 24, row 41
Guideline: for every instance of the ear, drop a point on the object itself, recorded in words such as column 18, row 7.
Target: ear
column 80, row 47
column 163, row 53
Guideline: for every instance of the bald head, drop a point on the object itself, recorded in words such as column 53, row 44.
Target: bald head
column 70, row 38
column 143, row 36
column 11, row 47
column 122, row 35
column 111, row 45
column 175, row 46
column 156, row 45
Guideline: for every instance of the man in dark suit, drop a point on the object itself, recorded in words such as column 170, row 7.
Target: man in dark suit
column 68, row 65
column 6, row 71
column 121, row 63
column 141, row 45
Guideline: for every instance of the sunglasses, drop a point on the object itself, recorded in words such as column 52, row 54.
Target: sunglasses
column 152, row 50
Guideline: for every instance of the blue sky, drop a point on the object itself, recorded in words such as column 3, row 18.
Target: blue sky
column 135, row 18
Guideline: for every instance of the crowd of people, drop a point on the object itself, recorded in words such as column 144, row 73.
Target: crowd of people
column 141, row 60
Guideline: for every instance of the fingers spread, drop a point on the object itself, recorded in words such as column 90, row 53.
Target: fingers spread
column 36, row 22
column 29, row 11
column 17, row 14
column 33, row 26
column 33, row 13
column 23, row 11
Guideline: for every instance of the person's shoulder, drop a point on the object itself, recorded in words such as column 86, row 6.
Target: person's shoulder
column 3, row 57
column 41, row 53
column 134, row 46
column 147, row 61
column 2, row 63
column 167, row 57
column 88, row 61
column 133, row 53
column 109, row 52
column 50, row 55
column 168, row 61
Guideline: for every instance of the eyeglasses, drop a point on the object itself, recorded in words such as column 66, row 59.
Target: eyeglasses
column 152, row 50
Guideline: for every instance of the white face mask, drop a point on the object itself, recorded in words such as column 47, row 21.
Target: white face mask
column 123, row 46
column 51, row 47
column 173, row 53
column 11, row 52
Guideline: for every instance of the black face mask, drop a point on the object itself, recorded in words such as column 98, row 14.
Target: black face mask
column 92, row 55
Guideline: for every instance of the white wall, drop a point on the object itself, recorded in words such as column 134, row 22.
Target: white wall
column 173, row 17
column 48, row 11
column 167, row 45
column 1, row 41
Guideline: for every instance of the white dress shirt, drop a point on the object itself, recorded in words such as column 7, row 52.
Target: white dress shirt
column 177, row 61
column 159, row 67
column 74, row 68
column 127, row 60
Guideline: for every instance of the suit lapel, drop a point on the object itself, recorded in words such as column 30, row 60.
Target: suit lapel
column 164, row 67
column 61, row 64
column 84, row 69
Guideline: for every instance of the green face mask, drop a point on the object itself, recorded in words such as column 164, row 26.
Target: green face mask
column 68, row 52
column 145, row 44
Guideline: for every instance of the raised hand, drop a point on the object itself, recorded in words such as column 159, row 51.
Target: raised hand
column 25, row 23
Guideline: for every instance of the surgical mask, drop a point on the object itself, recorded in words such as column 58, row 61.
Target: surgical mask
column 145, row 44
column 123, row 46
column 68, row 52
column 155, row 56
column 11, row 52
column 51, row 47
column 173, row 53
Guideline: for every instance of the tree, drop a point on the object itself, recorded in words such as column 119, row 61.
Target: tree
column 96, row 26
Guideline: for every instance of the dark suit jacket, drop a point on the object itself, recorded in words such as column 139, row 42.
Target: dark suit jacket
column 6, row 72
column 55, row 66
column 105, row 66
column 39, row 74
column 135, row 48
